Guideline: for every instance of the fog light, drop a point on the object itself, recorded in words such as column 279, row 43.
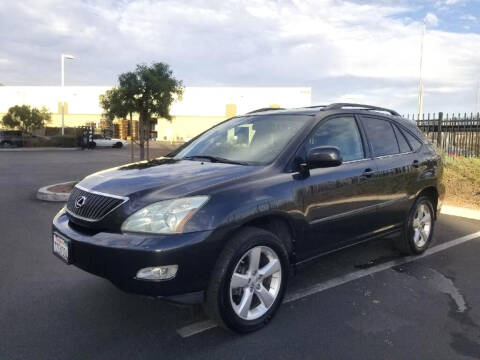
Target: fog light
column 166, row 272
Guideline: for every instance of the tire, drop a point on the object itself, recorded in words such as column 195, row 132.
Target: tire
column 224, row 305
column 118, row 145
column 414, row 241
column 93, row 145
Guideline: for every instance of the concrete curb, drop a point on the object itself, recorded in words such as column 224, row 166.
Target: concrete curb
column 46, row 195
column 462, row 212
column 40, row 149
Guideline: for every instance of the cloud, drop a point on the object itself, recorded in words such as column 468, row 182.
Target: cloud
column 342, row 49
column 431, row 19
column 468, row 17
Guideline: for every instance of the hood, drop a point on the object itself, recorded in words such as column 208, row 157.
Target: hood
column 166, row 176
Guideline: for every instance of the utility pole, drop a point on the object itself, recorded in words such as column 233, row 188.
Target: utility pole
column 63, row 57
column 420, row 81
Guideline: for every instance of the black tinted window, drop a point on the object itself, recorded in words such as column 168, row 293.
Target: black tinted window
column 381, row 136
column 402, row 142
column 341, row 132
column 414, row 142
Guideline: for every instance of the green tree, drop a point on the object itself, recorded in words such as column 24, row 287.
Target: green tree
column 148, row 91
column 26, row 118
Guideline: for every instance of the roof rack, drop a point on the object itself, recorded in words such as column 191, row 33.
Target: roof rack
column 359, row 107
column 264, row 109
column 313, row 106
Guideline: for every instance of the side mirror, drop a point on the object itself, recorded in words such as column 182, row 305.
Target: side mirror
column 324, row 156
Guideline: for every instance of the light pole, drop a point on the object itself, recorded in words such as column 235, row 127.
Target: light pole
column 64, row 56
column 420, row 81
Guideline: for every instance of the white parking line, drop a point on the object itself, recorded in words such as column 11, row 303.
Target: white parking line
column 196, row 328
column 202, row 326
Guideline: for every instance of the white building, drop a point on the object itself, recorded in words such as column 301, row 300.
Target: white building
column 200, row 107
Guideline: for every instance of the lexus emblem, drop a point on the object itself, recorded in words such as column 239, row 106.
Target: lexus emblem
column 80, row 201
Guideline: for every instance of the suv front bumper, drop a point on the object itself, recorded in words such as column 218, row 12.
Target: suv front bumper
column 118, row 257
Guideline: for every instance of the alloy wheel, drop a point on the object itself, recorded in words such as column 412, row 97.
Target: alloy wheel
column 422, row 225
column 255, row 282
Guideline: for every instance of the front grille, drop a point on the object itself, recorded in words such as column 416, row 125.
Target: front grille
column 94, row 206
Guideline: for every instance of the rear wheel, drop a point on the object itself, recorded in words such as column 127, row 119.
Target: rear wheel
column 118, row 145
column 249, row 280
column 419, row 227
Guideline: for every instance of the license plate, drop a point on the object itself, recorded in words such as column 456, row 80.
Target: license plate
column 61, row 248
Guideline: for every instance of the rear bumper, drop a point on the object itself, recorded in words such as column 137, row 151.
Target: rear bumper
column 118, row 257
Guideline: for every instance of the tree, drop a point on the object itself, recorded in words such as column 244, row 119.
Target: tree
column 26, row 118
column 148, row 91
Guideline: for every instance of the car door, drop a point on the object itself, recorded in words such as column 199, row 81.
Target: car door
column 339, row 202
column 395, row 164
column 100, row 140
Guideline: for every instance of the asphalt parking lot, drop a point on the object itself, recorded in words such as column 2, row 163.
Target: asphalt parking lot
column 362, row 303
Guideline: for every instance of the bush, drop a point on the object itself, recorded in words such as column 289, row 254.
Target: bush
column 63, row 141
column 462, row 181
column 53, row 141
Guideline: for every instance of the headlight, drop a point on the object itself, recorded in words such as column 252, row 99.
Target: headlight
column 164, row 217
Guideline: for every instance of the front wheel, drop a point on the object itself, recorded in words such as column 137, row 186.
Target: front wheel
column 249, row 281
column 419, row 228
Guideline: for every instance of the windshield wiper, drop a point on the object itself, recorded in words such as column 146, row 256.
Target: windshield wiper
column 216, row 159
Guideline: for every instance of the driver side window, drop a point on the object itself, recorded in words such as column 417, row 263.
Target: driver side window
column 341, row 132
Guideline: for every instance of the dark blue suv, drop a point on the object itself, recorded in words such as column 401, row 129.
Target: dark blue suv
column 224, row 218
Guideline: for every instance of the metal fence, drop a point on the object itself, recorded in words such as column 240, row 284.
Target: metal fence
column 456, row 134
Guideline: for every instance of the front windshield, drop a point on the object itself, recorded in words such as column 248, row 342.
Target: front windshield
column 255, row 139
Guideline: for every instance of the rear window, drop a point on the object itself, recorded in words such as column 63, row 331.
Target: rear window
column 381, row 136
column 414, row 142
column 402, row 142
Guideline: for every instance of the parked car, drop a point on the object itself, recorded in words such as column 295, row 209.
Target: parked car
column 224, row 218
column 11, row 138
column 102, row 141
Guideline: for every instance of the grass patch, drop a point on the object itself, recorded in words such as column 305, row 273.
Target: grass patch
column 462, row 182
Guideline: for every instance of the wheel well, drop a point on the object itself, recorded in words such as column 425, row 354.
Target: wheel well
column 432, row 193
column 279, row 226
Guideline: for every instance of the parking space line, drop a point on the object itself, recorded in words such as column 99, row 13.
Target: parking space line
column 196, row 328
column 374, row 269
column 202, row 326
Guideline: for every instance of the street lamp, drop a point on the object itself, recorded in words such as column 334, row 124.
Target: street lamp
column 420, row 80
column 71, row 57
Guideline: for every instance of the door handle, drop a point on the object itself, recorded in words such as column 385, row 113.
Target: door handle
column 368, row 172
column 416, row 163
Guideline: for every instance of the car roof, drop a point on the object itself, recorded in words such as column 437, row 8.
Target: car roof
column 282, row 111
column 349, row 108
column 335, row 107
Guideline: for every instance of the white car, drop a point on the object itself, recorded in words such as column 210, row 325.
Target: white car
column 99, row 140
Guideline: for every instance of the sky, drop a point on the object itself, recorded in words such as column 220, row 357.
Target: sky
column 355, row 51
